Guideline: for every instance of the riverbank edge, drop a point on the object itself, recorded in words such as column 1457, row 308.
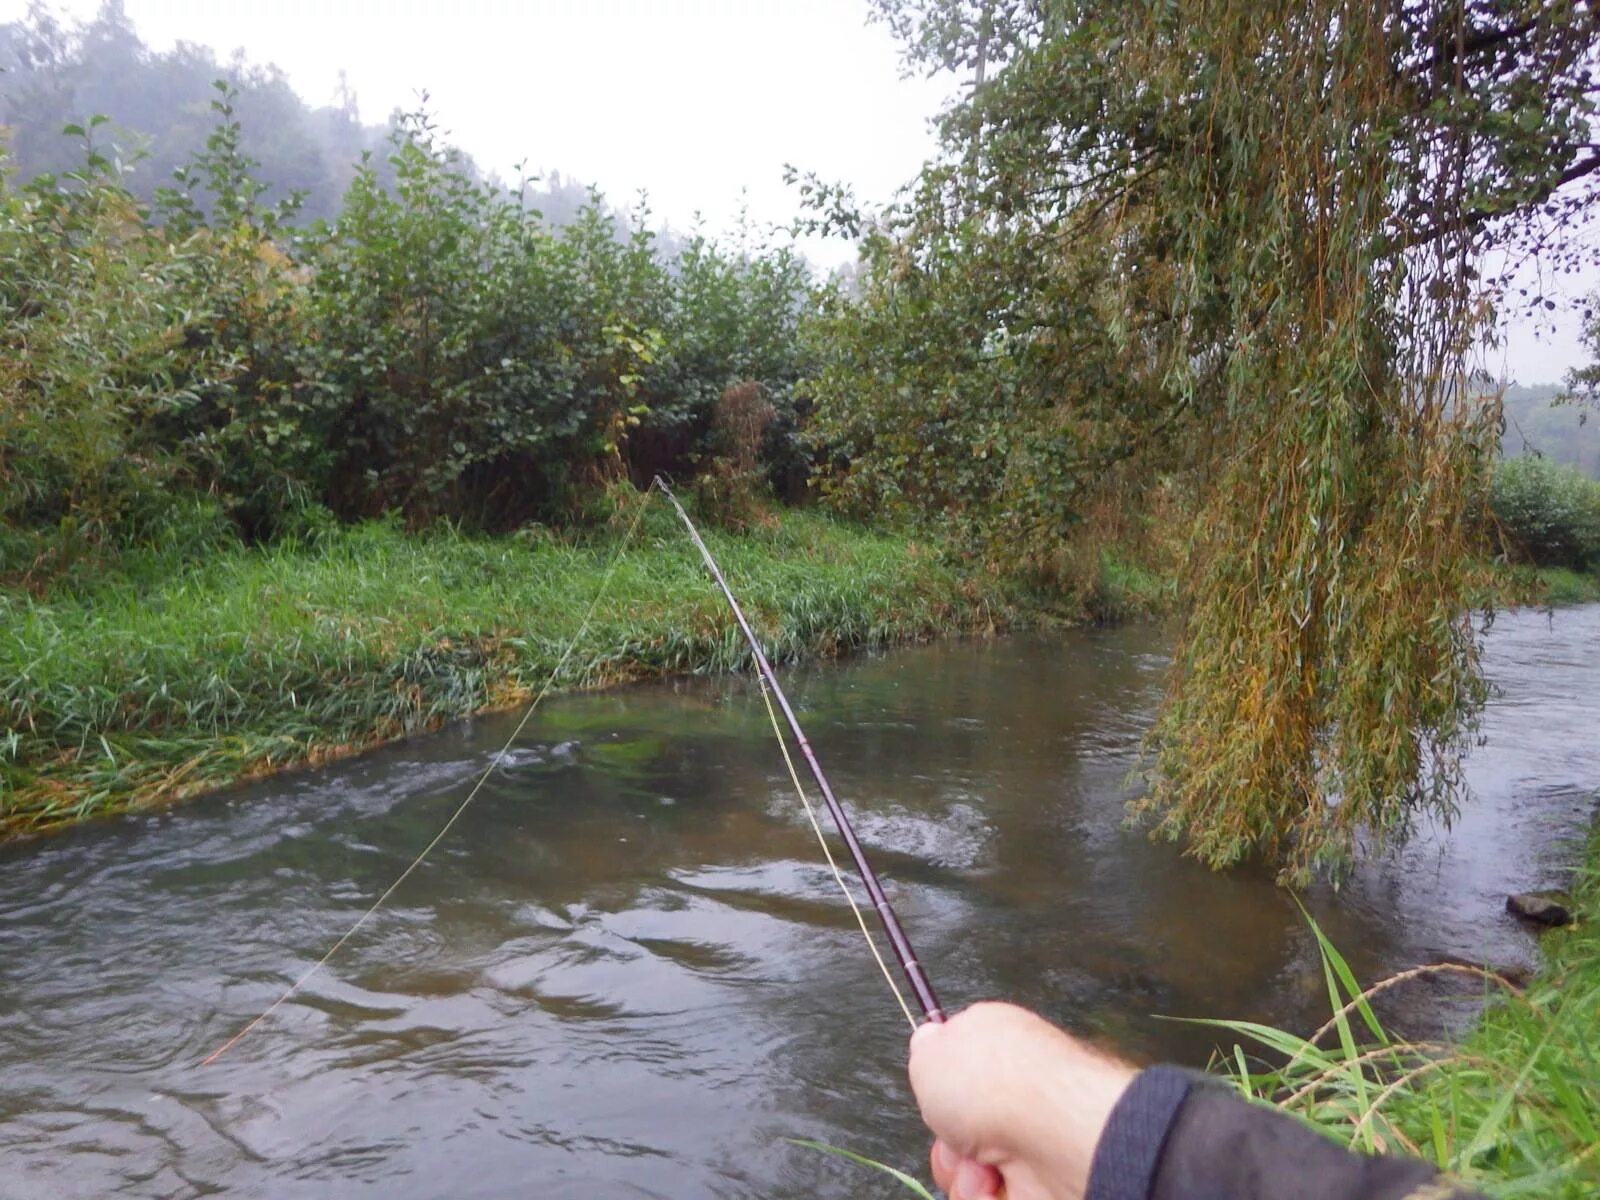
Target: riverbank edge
column 1512, row 1105
column 1524, row 1081
column 1544, row 1034
column 126, row 727
column 1509, row 586
column 176, row 681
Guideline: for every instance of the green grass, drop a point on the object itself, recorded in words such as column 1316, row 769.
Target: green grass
column 907, row 1182
column 1508, row 586
column 171, row 676
column 1514, row 1107
column 1562, row 586
column 1124, row 589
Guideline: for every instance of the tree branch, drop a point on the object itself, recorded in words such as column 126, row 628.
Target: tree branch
column 1483, row 39
column 1478, row 216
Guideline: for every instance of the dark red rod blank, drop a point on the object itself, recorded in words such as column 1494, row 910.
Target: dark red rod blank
column 926, row 1000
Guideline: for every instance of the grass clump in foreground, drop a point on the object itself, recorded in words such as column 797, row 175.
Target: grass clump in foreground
column 168, row 678
column 1514, row 1107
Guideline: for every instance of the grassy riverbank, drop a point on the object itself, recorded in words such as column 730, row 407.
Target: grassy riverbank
column 1562, row 586
column 1507, row 586
column 193, row 661
column 1514, row 1106
column 181, row 671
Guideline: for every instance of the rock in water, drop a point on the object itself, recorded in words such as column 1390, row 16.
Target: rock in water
column 1543, row 908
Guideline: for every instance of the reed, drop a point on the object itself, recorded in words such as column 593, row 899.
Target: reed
column 907, row 1182
column 170, row 677
column 1514, row 1106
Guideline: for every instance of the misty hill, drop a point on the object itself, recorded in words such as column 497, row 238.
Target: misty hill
column 55, row 73
column 1565, row 433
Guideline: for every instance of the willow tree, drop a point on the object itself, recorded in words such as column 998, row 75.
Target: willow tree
column 1239, row 241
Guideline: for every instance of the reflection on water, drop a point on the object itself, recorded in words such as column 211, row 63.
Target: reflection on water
column 627, row 972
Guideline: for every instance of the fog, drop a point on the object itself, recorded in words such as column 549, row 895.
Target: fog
column 699, row 102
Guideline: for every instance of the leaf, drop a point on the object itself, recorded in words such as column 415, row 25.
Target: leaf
column 908, row 1181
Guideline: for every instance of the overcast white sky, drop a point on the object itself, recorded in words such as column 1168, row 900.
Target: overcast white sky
column 697, row 101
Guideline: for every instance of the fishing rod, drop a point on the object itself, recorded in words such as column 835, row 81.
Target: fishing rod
column 903, row 952
column 912, row 969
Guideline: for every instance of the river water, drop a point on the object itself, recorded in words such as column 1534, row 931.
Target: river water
column 626, row 973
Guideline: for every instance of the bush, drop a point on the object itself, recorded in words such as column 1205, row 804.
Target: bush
column 145, row 357
column 88, row 328
column 1547, row 513
column 439, row 350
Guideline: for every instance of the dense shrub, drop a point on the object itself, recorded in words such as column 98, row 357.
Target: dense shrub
column 438, row 349
column 457, row 332
column 732, row 318
column 85, row 330
column 1548, row 513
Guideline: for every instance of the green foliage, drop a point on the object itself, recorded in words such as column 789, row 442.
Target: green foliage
column 491, row 366
column 255, row 434
column 733, row 316
column 1122, row 590
column 907, row 1182
column 1231, row 244
column 1559, row 586
column 976, row 386
column 1547, row 514
column 439, row 350
column 177, row 673
column 454, row 333
column 92, row 311
column 147, row 354
column 1514, row 1108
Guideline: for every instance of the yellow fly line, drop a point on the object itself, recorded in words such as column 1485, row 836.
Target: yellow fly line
column 822, row 840
column 499, row 758
column 549, row 683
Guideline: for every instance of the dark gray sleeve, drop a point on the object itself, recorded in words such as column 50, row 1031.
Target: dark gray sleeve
column 1171, row 1138
column 1130, row 1148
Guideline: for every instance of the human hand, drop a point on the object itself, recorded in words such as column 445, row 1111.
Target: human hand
column 1016, row 1105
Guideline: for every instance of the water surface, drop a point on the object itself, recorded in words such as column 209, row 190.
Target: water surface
column 627, row 973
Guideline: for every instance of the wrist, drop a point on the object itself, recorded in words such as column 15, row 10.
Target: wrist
column 1065, row 1120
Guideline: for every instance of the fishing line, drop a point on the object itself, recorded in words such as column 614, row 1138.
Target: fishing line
column 827, row 853
column 898, row 942
column 455, row 816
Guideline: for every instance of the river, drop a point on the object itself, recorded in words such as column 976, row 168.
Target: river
column 626, row 972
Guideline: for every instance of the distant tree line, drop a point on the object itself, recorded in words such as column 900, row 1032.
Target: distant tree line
column 1543, row 420
column 53, row 73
